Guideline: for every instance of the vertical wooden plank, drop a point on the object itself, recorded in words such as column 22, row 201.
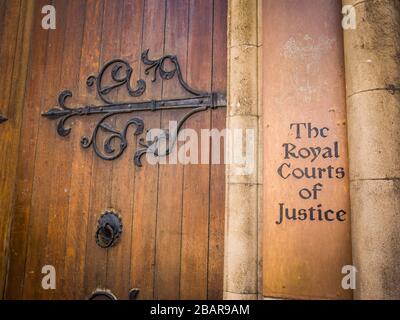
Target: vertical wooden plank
column 10, row 27
column 14, row 53
column 81, row 163
column 146, row 177
column 123, row 178
column 43, row 175
column 2, row 19
column 26, row 164
column 100, row 199
column 169, row 216
column 61, row 151
column 196, row 177
column 217, row 171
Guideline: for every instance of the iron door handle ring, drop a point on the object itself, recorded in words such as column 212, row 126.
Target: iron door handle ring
column 109, row 229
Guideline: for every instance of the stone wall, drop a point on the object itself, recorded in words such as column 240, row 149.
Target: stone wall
column 243, row 230
column 372, row 58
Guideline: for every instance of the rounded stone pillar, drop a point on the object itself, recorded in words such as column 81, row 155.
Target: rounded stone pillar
column 242, row 258
column 372, row 58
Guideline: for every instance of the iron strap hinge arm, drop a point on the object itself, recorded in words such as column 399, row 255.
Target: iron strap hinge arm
column 213, row 100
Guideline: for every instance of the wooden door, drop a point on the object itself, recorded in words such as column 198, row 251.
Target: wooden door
column 171, row 246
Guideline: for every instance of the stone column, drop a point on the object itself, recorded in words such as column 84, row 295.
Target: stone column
column 372, row 57
column 242, row 267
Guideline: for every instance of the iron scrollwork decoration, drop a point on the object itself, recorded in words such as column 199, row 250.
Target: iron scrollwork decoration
column 2, row 119
column 120, row 73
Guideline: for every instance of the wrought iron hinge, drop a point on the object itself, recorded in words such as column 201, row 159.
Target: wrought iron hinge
column 120, row 73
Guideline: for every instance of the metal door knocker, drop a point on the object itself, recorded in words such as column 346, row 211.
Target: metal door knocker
column 109, row 229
